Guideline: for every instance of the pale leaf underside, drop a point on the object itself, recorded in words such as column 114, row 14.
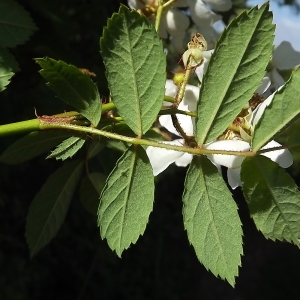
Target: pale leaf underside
column 211, row 220
column 127, row 200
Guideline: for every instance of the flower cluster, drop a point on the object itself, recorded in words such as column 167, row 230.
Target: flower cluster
column 238, row 140
column 175, row 22
column 174, row 25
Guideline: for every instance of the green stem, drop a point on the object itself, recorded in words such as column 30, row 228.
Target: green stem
column 44, row 125
column 168, row 3
column 158, row 15
column 19, row 127
column 271, row 149
column 169, row 99
column 32, row 125
column 178, row 127
column 182, row 87
column 110, row 106
column 67, row 114
column 173, row 111
column 111, row 120
column 107, row 107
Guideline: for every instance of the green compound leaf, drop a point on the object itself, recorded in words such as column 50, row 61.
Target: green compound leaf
column 32, row 145
column 73, row 87
column 127, row 200
column 49, row 207
column 211, row 220
column 273, row 199
column 282, row 110
column 16, row 26
column 236, row 69
column 8, row 66
column 136, row 68
column 68, row 148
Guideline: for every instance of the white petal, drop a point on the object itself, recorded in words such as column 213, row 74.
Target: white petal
column 185, row 122
column 285, row 56
column 259, row 110
column 219, row 5
column 234, row 178
column 201, row 14
column 276, row 78
column 161, row 158
column 264, row 85
column 184, row 160
column 170, row 88
column 136, row 4
column 176, row 22
column 210, row 34
column 282, row 157
column 166, row 121
column 229, row 161
column 188, row 103
column 191, row 97
column 200, row 71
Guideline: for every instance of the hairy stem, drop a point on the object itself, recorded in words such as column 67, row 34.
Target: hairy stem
column 45, row 125
column 158, row 15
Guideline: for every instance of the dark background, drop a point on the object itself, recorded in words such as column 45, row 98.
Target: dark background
column 77, row 264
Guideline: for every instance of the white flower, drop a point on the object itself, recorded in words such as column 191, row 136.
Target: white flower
column 201, row 14
column 210, row 34
column 283, row 157
column 161, row 158
column 200, row 71
column 229, row 161
column 173, row 24
column 204, row 17
column 285, row 57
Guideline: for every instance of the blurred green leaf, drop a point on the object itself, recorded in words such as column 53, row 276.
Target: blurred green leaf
column 95, row 146
column 273, row 199
column 90, row 190
column 16, row 26
column 136, row 68
column 8, row 66
column 126, row 200
column 50, row 206
column 235, row 71
column 211, row 220
column 32, row 145
column 282, row 110
column 73, row 87
column 68, row 148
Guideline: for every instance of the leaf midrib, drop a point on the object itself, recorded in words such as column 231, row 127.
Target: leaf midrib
column 213, row 116
column 135, row 87
column 126, row 196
